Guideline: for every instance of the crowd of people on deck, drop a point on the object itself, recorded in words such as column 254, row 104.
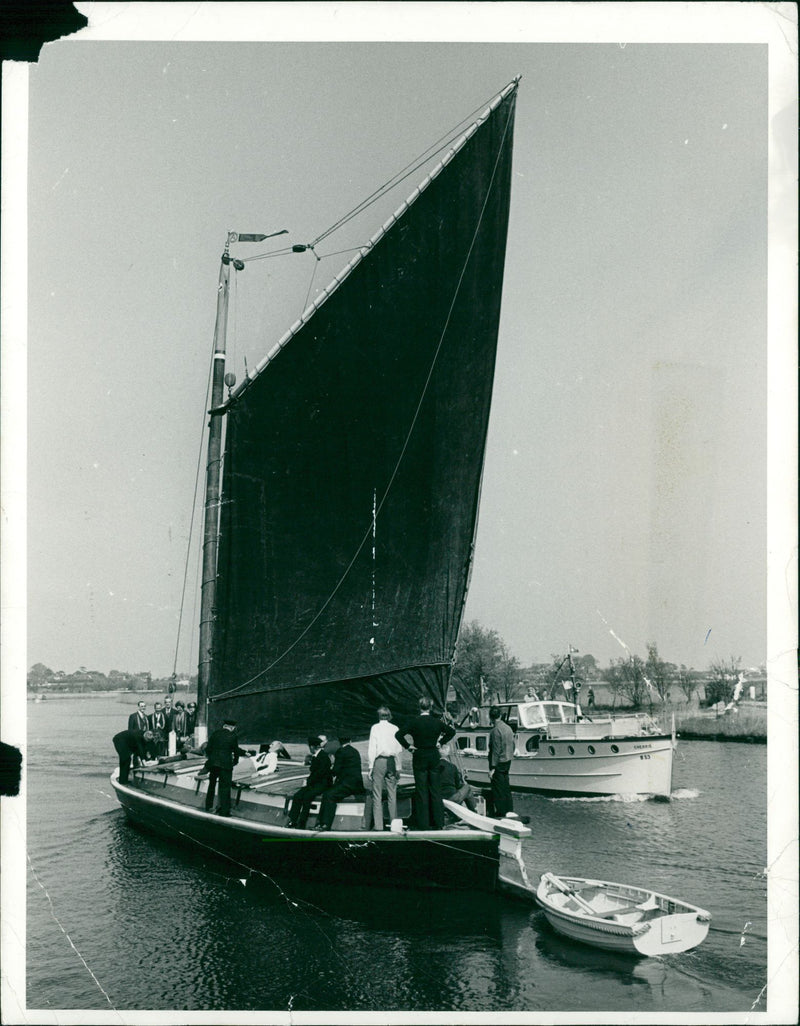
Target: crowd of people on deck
column 335, row 766
column 147, row 735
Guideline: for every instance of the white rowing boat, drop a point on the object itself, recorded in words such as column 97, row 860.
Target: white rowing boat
column 621, row 918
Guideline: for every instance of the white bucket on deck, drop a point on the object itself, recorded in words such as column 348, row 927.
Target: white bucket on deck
column 397, row 826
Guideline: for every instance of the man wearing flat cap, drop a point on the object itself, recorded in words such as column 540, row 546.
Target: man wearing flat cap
column 222, row 754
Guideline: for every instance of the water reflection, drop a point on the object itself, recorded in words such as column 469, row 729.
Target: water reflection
column 226, row 925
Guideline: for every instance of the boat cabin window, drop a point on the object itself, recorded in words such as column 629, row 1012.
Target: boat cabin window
column 532, row 716
column 552, row 711
column 481, row 743
column 463, row 742
column 532, row 744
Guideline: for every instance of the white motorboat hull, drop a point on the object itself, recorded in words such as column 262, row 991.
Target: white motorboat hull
column 579, row 766
column 645, row 923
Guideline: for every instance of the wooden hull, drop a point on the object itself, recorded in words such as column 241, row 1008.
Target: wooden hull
column 645, row 923
column 253, row 836
column 579, row 766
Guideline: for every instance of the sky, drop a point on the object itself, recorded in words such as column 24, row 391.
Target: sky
column 625, row 487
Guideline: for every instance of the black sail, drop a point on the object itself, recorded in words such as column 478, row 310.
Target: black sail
column 353, row 464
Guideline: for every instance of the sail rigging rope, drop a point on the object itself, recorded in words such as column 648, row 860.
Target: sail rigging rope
column 368, row 532
column 252, row 871
column 442, row 143
column 198, row 471
column 311, row 280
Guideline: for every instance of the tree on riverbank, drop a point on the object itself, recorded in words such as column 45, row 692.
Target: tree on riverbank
column 657, row 672
column 482, row 654
column 687, row 682
column 627, row 677
column 723, row 675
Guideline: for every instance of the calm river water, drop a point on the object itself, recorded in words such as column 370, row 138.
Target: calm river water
column 119, row 919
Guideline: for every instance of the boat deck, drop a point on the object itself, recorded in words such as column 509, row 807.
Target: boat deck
column 260, row 797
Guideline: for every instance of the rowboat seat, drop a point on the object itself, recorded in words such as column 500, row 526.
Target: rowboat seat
column 648, row 905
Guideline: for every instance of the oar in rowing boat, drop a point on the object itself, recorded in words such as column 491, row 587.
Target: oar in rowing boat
column 566, row 889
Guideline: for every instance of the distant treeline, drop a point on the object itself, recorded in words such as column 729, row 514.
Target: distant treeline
column 485, row 670
column 42, row 678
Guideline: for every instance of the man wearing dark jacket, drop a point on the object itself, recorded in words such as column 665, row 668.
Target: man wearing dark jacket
column 191, row 717
column 158, row 727
column 138, row 720
column 451, row 784
column 426, row 731
column 169, row 713
column 501, row 752
column 320, row 778
column 349, row 780
column 129, row 743
column 222, row 754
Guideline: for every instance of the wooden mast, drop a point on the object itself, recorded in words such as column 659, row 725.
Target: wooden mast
column 213, row 477
column 211, row 512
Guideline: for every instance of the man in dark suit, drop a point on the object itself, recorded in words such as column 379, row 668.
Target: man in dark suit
column 426, row 731
column 129, row 743
column 169, row 713
column 138, row 720
column 320, row 778
column 191, row 717
column 158, row 727
column 348, row 780
column 222, row 754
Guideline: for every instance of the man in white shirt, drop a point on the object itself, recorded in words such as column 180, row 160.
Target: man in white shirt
column 384, row 765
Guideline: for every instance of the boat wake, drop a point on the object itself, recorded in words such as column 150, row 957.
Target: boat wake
column 630, row 799
column 625, row 799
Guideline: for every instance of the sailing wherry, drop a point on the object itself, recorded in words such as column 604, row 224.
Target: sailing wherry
column 338, row 541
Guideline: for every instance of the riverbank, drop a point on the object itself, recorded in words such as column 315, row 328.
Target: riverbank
column 748, row 725
column 693, row 723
